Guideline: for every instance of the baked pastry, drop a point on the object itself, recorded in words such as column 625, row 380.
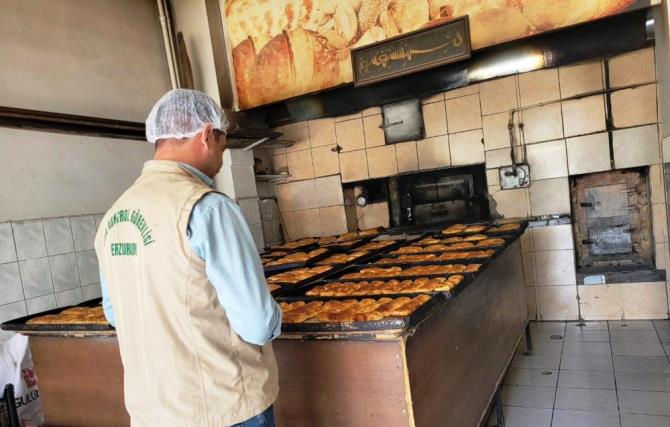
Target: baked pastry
column 463, row 229
column 419, row 270
column 351, row 310
column 298, row 275
column 408, row 258
column 297, row 257
column 75, row 315
column 490, row 242
column 342, row 258
column 509, row 227
column 386, row 287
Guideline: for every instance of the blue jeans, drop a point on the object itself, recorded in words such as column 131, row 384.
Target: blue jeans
column 264, row 419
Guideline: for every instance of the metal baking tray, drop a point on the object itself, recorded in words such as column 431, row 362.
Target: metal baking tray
column 269, row 271
column 20, row 325
column 374, row 325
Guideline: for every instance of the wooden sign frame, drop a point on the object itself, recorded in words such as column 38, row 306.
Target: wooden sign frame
column 412, row 52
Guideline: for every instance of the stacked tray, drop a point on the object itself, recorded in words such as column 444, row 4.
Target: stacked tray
column 272, row 269
column 388, row 323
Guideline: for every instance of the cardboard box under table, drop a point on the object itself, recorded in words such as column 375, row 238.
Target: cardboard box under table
column 440, row 370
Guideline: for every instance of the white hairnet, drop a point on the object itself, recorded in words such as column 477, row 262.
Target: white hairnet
column 182, row 113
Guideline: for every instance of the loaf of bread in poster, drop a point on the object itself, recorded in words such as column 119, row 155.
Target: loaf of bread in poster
column 292, row 63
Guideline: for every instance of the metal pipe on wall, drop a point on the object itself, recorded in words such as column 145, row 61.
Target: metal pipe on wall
column 168, row 43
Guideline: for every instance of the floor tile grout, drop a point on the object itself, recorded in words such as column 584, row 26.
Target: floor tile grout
column 616, row 387
column 560, row 361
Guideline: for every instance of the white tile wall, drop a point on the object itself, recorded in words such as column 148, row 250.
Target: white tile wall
column 467, row 148
column 11, row 289
column 555, row 268
column 551, row 238
column 58, row 233
column 40, row 304
column 557, row 302
column 550, row 196
column 83, row 232
column 64, row 272
column 70, row 297
column 588, row 154
column 547, row 160
column 90, row 292
column 7, row 248
column 29, row 239
column 87, row 264
column 36, row 277
column 636, row 146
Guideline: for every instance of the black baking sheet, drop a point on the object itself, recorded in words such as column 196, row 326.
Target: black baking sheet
column 374, row 325
column 19, row 325
column 274, row 269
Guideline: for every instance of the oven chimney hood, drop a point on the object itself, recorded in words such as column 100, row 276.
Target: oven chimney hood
column 587, row 41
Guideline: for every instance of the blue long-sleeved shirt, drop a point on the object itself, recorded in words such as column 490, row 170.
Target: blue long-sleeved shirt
column 219, row 235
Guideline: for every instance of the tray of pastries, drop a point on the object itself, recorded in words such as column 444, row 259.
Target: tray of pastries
column 429, row 241
column 461, row 229
column 300, row 276
column 509, row 228
column 295, row 245
column 296, row 259
column 386, row 287
column 410, row 272
column 342, row 315
column 437, row 257
column 86, row 317
column 343, row 258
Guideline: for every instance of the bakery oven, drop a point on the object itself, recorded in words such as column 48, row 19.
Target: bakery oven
column 612, row 219
column 438, row 197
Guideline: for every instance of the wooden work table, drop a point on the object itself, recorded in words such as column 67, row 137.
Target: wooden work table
column 442, row 372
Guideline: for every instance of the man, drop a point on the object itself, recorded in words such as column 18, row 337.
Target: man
column 183, row 284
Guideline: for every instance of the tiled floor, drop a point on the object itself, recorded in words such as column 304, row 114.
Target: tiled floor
column 605, row 374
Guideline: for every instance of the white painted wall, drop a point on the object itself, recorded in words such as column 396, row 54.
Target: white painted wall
column 47, row 175
column 90, row 57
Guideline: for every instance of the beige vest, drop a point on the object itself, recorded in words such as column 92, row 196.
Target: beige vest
column 183, row 363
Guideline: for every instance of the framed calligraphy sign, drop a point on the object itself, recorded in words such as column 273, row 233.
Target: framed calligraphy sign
column 412, row 52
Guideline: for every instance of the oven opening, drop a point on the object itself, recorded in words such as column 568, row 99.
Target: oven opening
column 612, row 221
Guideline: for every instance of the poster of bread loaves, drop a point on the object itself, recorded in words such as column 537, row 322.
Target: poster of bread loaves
column 285, row 48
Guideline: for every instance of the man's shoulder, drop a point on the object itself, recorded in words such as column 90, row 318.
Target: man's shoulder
column 213, row 200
